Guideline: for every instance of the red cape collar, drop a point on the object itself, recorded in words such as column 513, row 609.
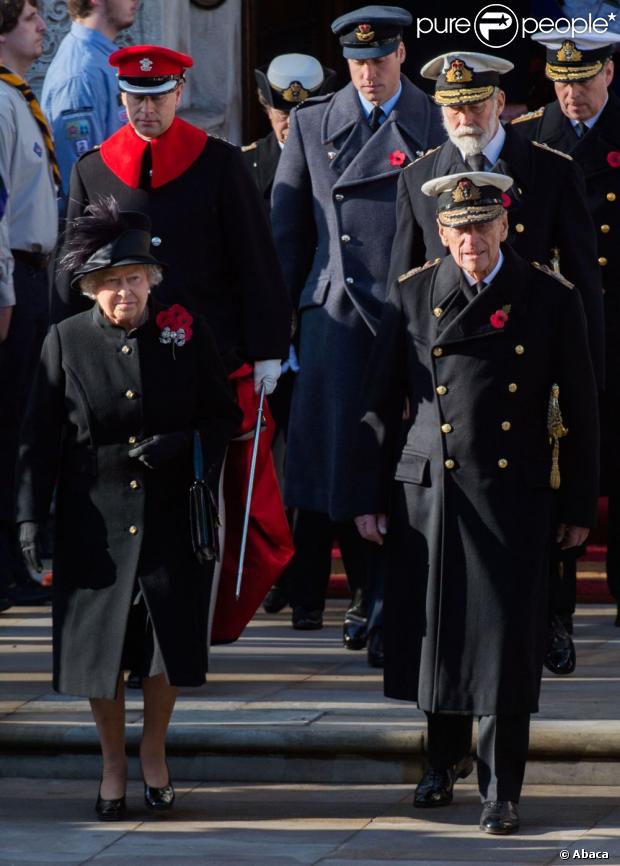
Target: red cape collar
column 172, row 153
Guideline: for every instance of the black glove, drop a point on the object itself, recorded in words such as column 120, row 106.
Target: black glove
column 30, row 544
column 159, row 448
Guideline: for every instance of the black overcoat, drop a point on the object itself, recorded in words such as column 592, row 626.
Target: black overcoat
column 598, row 154
column 262, row 157
column 333, row 221
column 98, row 389
column 468, row 493
column 547, row 210
column 209, row 226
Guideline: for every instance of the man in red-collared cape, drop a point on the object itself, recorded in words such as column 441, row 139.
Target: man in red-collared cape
column 210, row 228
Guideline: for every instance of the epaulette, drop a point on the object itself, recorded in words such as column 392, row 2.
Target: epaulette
column 425, row 154
column 531, row 115
column 418, row 270
column 246, row 147
column 547, row 270
column 544, row 146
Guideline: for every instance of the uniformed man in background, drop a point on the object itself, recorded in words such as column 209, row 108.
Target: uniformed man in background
column 584, row 122
column 80, row 95
column 30, row 171
column 333, row 223
column 477, row 344
column 283, row 84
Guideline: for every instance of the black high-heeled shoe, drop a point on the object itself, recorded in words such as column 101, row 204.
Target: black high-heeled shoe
column 110, row 810
column 159, row 799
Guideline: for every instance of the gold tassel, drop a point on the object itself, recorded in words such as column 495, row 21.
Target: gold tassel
column 557, row 431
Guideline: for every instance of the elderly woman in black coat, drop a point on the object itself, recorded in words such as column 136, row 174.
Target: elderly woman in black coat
column 120, row 390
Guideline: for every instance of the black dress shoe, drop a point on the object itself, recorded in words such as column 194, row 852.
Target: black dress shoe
column 159, row 799
column 30, row 593
column 5, row 603
column 560, row 656
column 436, row 786
column 307, row 620
column 375, row 649
column 275, row 600
column 110, row 810
column 354, row 635
column 499, row 817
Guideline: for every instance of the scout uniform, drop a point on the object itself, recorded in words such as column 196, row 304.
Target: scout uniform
column 80, row 96
column 539, row 225
column 468, row 495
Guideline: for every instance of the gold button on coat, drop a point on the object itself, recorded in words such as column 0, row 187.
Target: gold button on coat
column 611, row 196
column 438, row 351
column 519, row 349
column 126, row 350
column 502, row 463
column 450, row 464
column 602, row 261
column 441, row 390
column 512, row 387
column 446, row 428
column 133, row 530
column 130, row 394
column 506, row 425
column 605, row 228
column 132, row 440
column 437, row 312
column 135, row 485
column 519, row 228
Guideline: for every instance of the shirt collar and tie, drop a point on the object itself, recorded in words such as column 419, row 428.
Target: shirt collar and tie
column 580, row 127
column 377, row 114
column 486, row 160
column 473, row 287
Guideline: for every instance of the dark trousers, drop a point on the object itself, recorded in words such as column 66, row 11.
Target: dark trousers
column 19, row 356
column 306, row 578
column 563, row 581
column 502, row 749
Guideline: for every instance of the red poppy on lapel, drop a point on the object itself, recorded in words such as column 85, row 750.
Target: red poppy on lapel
column 397, row 157
column 506, row 200
column 175, row 324
column 499, row 318
column 613, row 158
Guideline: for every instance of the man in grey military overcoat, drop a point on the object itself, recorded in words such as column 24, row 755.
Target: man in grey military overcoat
column 333, row 220
column 477, row 345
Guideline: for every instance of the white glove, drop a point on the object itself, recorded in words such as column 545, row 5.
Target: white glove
column 267, row 372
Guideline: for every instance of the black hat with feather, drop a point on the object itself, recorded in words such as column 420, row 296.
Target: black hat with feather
column 106, row 237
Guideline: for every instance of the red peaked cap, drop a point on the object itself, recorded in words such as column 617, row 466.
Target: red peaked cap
column 149, row 61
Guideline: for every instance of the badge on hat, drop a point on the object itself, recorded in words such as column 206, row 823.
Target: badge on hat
column 146, row 64
column 576, row 59
column 364, row 33
column 372, row 31
column 290, row 79
column 465, row 77
column 468, row 197
column 295, row 92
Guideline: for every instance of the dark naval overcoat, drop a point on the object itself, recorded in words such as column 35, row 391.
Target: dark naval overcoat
column 598, row 154
column 547, row 210
column 262, row 157
column 209, row 226
column 97, row 391
column 468, row 493
column 333, row 221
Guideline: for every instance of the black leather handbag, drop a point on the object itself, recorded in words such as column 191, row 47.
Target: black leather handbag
column 203, row 516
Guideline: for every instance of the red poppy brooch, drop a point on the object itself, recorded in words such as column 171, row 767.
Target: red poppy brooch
column 397, row 158
column 499, row 318
column 506, row 200
column 175, row 324
column 613, row 158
